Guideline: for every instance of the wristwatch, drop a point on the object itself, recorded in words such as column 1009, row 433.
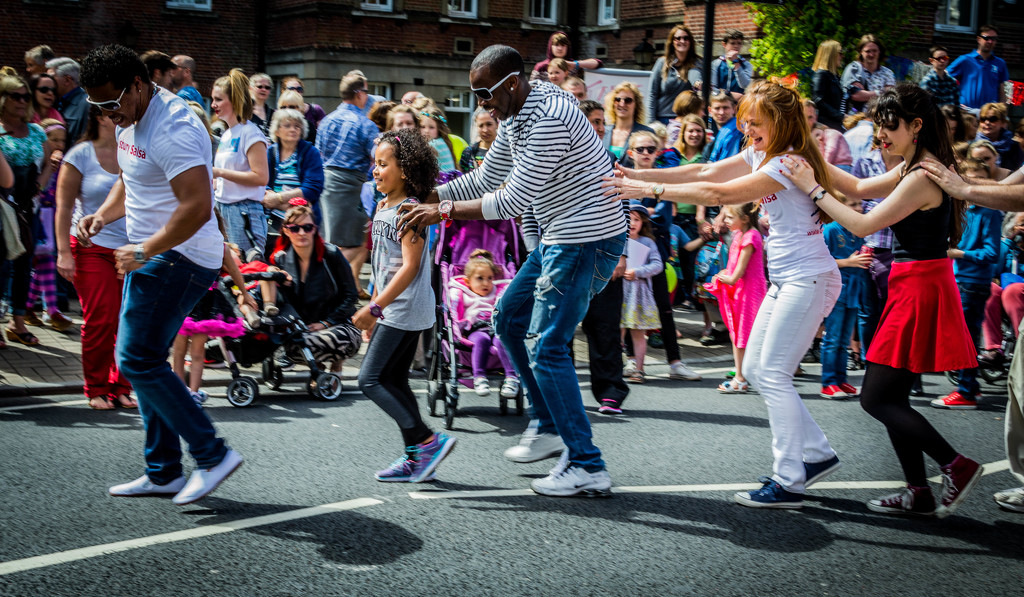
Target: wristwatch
column 376, row 311
column 657, row 190
column 444, row 209
column 139, row 254
column 820, row 194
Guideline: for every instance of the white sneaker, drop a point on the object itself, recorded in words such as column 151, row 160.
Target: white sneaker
column 1011, row 499
column 510, row 388
column 563, row 463
column 204, row 481
column 535, row 446
column 481, row 387
column 679, row 370
column 143, row 487
column 630, row 368
column 572, row 481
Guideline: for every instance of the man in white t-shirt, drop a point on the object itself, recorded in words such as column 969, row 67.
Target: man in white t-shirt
column 165, row 195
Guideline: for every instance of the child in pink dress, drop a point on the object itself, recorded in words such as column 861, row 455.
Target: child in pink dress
column 741, row 287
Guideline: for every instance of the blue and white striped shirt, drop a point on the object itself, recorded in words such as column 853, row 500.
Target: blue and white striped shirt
column 550, row 159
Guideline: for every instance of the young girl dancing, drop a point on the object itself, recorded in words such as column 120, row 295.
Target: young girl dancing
column 475, row 293
column 402, row 305
column 805, row 279
column 922, row 326
column 741, row 287
column 639, row 309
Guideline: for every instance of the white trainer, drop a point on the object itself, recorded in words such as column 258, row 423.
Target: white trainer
column 481, row 387
column 535, row 446
column 630, row 368
column 574, row 480
column 204, row 481
column 142, row 487
column 679, row 370
column 510, row 387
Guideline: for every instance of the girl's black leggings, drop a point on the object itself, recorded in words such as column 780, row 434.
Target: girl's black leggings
column 384, row 378
column 886, row 397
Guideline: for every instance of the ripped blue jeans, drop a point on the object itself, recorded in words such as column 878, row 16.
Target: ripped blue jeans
column 536, row 318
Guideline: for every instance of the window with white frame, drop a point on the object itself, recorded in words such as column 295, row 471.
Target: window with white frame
column 462, row 8
column 606, row 10
column 956, row 15
column 542, row 11
column 191, row 4
column 381, row 89
column 378, row 5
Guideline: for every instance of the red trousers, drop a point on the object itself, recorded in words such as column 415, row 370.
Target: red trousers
column 1009, row 300
column 99, row 290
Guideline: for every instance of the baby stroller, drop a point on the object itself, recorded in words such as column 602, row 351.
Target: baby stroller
column 449, row 364
column 260, row 344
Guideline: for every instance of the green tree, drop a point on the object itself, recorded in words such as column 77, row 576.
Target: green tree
column 793, row 30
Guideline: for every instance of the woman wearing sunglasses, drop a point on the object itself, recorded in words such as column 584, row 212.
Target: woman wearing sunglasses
column 44, row 96
column 675, row 72
column 992, row 127
column 24, row 145
column 625, row 109
column 313, row 112
column 321, row 288
column 260, row 86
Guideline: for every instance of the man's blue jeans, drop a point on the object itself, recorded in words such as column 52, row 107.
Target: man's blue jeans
column 536, row 318
column 973, row 298
column 157, row 298
column 838, row 329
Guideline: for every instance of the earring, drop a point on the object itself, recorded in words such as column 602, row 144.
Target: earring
column 915, row 138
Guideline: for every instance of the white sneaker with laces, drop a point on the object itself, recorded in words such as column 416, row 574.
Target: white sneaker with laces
column 204, row 481
column 630, row 368
column 144, row 487
column 679, row 370
column 535, row 446
column 510, row 388
column 572, row 481
column 481, row 387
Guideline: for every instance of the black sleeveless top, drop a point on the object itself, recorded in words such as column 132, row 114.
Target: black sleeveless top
column 923, row 234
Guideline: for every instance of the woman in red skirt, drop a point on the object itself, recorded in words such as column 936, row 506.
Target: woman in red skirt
column 922, row 327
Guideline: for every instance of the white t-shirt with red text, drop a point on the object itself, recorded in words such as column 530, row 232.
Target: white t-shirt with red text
column 168, row 140
column 795, row 247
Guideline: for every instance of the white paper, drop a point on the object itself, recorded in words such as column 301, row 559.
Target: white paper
column 636, row 254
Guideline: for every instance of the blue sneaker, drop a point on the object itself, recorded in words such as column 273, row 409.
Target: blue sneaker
column 400, row 470
column 816, row 471
column 771, row 495
column 428, row 455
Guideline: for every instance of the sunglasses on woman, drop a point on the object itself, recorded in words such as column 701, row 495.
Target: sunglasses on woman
column 682, row 38
column 623, row 100
column 295, row 88
column 990, row 119
column 19, row 97
column 294, row 228
column 266, row 87
column 46, row 89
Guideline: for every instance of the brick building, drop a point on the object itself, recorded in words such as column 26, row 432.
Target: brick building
column 426, row 45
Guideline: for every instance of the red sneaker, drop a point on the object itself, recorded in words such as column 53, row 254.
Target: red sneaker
column 958, row 479
column 848, row 389
column 955, row 401
column 833, row 392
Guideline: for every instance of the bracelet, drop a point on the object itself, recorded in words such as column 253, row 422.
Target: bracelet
column 811, row 194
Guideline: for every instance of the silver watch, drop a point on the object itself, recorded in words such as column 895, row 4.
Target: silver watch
column 139, row 254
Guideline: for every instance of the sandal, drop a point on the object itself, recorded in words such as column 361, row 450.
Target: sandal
column 26, row 338
column 637, row 377
column 126, row 401
column 107, row 402
column 734, row 387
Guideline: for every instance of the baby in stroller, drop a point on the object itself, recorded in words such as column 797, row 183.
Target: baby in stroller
column 473, row 296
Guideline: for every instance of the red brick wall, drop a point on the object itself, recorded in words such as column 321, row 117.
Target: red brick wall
column 217, row 40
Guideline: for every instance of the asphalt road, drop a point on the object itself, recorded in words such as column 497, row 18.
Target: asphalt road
column 304, row 515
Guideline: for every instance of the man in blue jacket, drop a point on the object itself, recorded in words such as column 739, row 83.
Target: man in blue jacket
column 975, row 260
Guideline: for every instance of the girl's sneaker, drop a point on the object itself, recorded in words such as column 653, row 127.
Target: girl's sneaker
column 958, row 479
column 271, row 309
column 734, row 387
column 481, row 386
column 510, row 388
column 200, row 397
column 630, row 368
column 428, row 455
column 913, row 501
column 400, row 470
column 610, row 407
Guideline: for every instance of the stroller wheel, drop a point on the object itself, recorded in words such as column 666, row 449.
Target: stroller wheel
column 953, row 377
column 435, row 394
column 327, row 386
column 272, row 374
column 451, row 405
column 243, row 391
column 503, row 405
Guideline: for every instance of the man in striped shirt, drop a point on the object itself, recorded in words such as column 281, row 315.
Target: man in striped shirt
column 552, row 164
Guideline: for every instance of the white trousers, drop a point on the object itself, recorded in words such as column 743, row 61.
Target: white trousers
column 783, row 331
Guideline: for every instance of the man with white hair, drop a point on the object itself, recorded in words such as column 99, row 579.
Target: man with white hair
column 71, row 105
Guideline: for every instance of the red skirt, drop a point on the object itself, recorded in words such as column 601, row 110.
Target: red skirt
column 922, row 327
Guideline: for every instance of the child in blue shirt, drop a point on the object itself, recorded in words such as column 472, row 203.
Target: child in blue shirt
column 975, row 261
column 846, row 249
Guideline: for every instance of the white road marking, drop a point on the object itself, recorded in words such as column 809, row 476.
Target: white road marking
column 73, row 555
column 84, row 553
column 8, row 409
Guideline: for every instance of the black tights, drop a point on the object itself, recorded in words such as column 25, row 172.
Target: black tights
column 886, row 397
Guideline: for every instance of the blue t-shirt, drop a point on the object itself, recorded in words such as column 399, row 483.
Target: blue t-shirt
column 979, row 78
column 191, row 94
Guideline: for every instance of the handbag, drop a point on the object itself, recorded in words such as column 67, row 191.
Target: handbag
column 10, row 229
